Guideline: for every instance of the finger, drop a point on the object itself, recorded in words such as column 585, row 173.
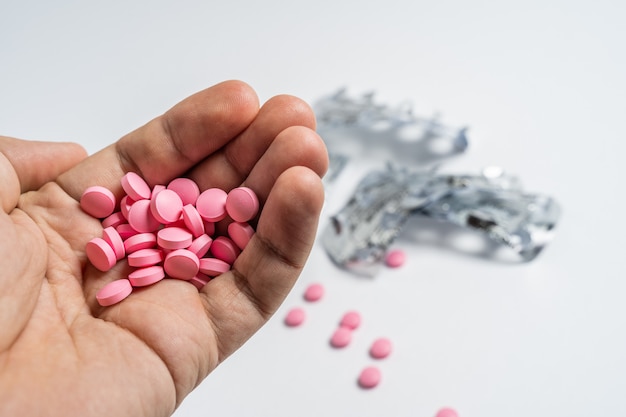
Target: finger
column 27, row 165
column 241, row 301
column 230, row 166
column 170, row 145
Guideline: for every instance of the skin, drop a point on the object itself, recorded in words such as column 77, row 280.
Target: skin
column 63, row 354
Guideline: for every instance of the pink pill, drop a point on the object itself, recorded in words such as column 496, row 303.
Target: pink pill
column 200, row 280
column 351, row 320
column 174, row 238
column 447, row 412
column 381, row 348
column 242, row 204
column 135, row 187
column 181, row 264
column 140, row 241
column 341, row 337
column 100, row 254
column 98, row 202
column 200, row 246
column 295, row 317
column 145, row 257
column 370, row 377
column 225, row 249
column 213, row 267
column 125, row 203
column 314, row 292
column 126, row 230
column 209, row 228
column 146, row 276
column 141, row 218
column 166, row 206
column 186, row 188
column 114, row 220
column 114, row 292
column 395, row 258
column 113, row 238
column 192, row 220
column 157, row 189
column 211, row 204
column 240, row 233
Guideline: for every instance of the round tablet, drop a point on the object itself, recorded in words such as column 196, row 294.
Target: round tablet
column 351, row 320
column 100, row 254
column 341, row 337
column 140, row 241
column 240, row 233
column 211, row 204
column 141, row 218
column 192, row 220
column 166, row 206
column 135, row 187
column 395, row 258
column 98, row 202
column 314, row 292
column 381, row 348
column 126, row 230
column 145, row 257
column 200, row 280
column 113, row 238
column 369, row 377
column 295, row 317
column 200, row 246
column 125, row 204
column 156, row 189
column 225, row 249
column 186, row 188
column 213, row 267
column 174, row 238
column 114, row 292
column 181, row 264
column 242, row 204
column 146, row 276
column 447, row 412
column 114, row 220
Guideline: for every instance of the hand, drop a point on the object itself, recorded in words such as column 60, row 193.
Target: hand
column 60, row 352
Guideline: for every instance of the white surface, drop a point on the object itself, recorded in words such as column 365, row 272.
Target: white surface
column 541, row 84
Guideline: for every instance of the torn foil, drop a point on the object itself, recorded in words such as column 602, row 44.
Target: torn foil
column 358, row 236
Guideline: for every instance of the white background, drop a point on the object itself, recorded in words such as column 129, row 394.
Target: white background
column 541, row 85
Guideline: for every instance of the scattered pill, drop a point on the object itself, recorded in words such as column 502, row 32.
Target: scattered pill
column 140, row 241
column 341, row 337
column 395, row 258
column 240, row 233
column 381, row 348
column 135, row 187
column 351, row 320
column 213, row 267
column 125, row 203
column 200, row 280
column 114, row 292
column 211, row 204
column 146, row 276
column 242, row 204
column 140, row 217
column 447, row 412
column 98, row 202
column 166, row 206
column 114, row 220
column 157, row 189
column 192, row 220
column 369, row 377
column 314, row 292
column 200, row 246
column 186, row 188
column 126, row 230
column 225, row 249
column 100, row 254
column 181, row 264
column 295, row 317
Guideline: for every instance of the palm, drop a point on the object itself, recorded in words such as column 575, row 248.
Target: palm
column 142, row 356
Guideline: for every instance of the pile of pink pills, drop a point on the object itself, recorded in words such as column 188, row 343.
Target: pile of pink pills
column 167, row 231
